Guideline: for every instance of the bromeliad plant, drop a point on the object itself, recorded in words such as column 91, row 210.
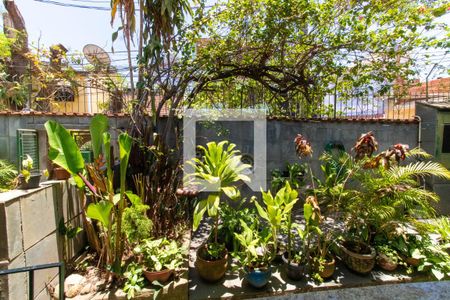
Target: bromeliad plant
column 220, row 169
column 107, row 208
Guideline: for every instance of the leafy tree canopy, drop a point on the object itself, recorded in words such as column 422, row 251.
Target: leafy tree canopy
column 5, row 46
column 307, row 48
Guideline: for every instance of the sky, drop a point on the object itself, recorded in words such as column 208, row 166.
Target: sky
column 49, row 24
column 73, row 27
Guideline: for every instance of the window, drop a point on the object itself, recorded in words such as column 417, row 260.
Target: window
column 28, row 143
column 446, row 139
column 64, row 94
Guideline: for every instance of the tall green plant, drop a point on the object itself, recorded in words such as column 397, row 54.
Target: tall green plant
column 221, row 168
column 64, row 151
column 311, row 214
column 278, row 210
column 107, row 208
column 125, row 143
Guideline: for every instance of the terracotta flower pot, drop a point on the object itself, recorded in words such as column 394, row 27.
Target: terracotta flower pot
column 211, row 271
column 413, row 261
column 60, row 174
column 358, row 256
column 293, row 271
column 386, row 263
column 328, row 267
column 161, row 276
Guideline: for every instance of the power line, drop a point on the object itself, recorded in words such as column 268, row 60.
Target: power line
column 100, row 8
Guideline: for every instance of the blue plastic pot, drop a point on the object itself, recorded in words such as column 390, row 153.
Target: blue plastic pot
column 258, row 278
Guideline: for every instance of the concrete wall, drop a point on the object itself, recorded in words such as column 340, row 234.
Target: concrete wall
column 432, row 123
column 281, row 134
column 29, row 235
column 10, row 123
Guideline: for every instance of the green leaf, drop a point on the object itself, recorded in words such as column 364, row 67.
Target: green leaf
column 213, row 204
column 100, row 211
column 72, row 232
column 99, row 125
column 63, row 150
column 416, row 254
column 116, row 199
column 437, row 273
column 231, row 192
column 199, row 211
column 307, row 211
column 115, row 34
column 134, row 199
column 262, row 213
column 125, row 143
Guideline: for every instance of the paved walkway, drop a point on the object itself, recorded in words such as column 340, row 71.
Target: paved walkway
column 344, row 284
column 408, row 291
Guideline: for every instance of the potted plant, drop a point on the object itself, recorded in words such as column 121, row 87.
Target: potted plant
column 323, row 262
column 255, row 255
column 277, row 212
column 230, row 223
column 28, row 179
column 356, row 253
column 60, row 173
column 161, row 257
column 219, row 169
column 297, row 263
column 387, row 257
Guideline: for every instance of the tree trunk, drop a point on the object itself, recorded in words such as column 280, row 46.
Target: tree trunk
column 14, row 27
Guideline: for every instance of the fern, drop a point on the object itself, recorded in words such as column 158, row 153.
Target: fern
column 7, row 174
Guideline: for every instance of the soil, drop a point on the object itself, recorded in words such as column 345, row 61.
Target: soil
column 357, row 247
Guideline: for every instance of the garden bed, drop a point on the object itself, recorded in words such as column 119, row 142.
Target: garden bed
column 174, row 289
column 234, row 286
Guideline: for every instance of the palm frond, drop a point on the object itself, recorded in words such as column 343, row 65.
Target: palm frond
column 418, row 153
column 421, row 168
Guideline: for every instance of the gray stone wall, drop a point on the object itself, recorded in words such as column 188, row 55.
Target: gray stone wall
column 281, row 134
column 430, row 142
column 29, row 235
column 9, row 124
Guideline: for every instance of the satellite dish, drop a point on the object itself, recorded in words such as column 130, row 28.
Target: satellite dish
column 96, row 55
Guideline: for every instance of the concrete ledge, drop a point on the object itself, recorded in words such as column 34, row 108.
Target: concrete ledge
column 29, row 222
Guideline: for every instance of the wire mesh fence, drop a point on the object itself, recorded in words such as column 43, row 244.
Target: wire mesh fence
column 91, row 92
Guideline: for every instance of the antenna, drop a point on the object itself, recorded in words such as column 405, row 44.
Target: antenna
column 96, row 55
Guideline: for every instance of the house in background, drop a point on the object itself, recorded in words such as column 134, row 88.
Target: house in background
column 436, row 91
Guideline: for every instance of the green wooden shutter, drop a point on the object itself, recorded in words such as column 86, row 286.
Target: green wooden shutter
column 28, row 143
